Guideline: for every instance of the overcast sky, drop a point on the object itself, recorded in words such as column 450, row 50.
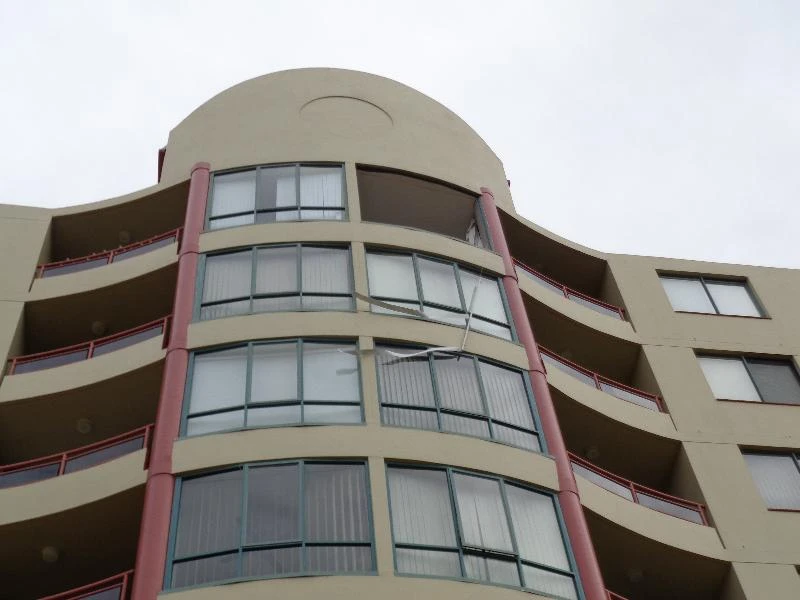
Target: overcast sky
column 662, row 128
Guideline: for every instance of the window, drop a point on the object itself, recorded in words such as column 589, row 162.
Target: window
column 752, row 379
column 277, row 193
column 455, row 393
column 777, row 477
column 273, row 384
column 712, row 296
column 448, row 523
column 271, row 520
column 443, row 291
column 276, row 278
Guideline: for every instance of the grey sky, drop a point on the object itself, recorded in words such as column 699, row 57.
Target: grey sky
column 663, row 128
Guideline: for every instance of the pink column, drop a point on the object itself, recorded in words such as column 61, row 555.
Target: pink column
column 151, row 554
column 568, row 497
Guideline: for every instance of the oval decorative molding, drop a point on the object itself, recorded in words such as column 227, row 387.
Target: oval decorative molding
column 346, row 116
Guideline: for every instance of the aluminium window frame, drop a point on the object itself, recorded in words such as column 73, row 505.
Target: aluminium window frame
column 244, row 547
column 482, row 552
column 703, row 279
column 438, row 410
column 246, row 405
column 787, row 360
column 257, row 194
column 201, row 276
column 794, row 455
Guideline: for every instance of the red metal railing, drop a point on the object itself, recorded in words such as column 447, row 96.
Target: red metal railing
column 605, row 384
column 72, row 265
column 47, row 467
column 99, row 589
column 86, row 350
column 593, row 303
column 640, row 494
column 613, row 596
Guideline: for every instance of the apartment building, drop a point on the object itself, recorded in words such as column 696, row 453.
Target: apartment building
column 325, row 357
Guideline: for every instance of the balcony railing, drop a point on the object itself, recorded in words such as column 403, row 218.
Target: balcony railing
column 114, row 588
column 73, row 265
column 77, row 459
column 613, row 596
column 604, row 308
column 665, row 503
column 616, row 389
column 87, row 350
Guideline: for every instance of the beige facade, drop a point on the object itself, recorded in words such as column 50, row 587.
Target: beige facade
column 691, row 450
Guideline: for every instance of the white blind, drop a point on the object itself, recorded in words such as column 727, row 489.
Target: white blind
column 777, row 478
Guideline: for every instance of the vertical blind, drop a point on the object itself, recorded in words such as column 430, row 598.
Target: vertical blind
column 777, row 477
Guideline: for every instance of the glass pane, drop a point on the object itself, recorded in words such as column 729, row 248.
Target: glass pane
column 277, row 188
column 321, row 186
column 687, row 295
column 541, row 281
column 273, row 415
column 465, row 425
column 274, row 374
column 227, row 309
column 417, row 419
column 605, row 483
column 506, row 395
column 103, row 455
column 327, row 303
column 439, row 283
column 389, row 311
column 421, row 508
column 75, row 267
column 404, row 380
column 488, row 301
column 732, row 298
column 209, row 514
column 549, row 583
column 549, row 362
column 279, row 304
column 57, row 360
column 227, row 276
column 391, row 276
column 598, row 308
column 536, row 527
column 777, row 478
column 277, row 216
column 515, row 437
column 331, row 413
column 457, row 383
column 218, row 380
column 483, row 518
column 339, row 559
column 273, row 504
column 427, row 562
column 491, row 570
column 319, row 215
column 776, row 380
column 204, row 570
column 143, row 249
column 128, row 340
column 445, row 316
column 233, row 193
column 336, row 503
column 272, row 562
column 629, row 396
column 222, row 223
column 728, row 378
column 276, row 270
column 110, row 594
column 224, row 421
column 500, row 331
column 28, row 475
column 326, row 270
column 676, row 510
column 330, row 372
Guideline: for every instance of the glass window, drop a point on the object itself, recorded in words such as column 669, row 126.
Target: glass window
column 752, row 379
column 290, row 383
column 777, row 478
column 276, row 278
column 449, row 523
column 442, row 290
column 277, row 193
column 712, row 296
column 456, row 393
column 272, row 520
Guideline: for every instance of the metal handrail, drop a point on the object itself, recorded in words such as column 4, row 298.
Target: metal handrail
column 613, row 596
column 600, row 379
column 637, row 488
column 90, row 347
column 109, row 255
column 568, row 291
column 62, row 458
column 121, row 581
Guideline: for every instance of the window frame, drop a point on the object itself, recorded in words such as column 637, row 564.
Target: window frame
column 301, row 402
column 243, row 546
column 201, row 278
column 422, row 303
column 745, row 283
column 344, row 210
column 460, row 548
column 438, row 410
column 794, row 455
column 787, row 360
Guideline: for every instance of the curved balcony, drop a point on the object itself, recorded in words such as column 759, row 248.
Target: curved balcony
column 648, row 497
column 86, row 350
column 116, row 587
column 77, row 459
column 101, row 259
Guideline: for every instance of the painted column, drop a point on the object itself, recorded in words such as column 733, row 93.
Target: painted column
column 568, row 497
column 151, row 553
